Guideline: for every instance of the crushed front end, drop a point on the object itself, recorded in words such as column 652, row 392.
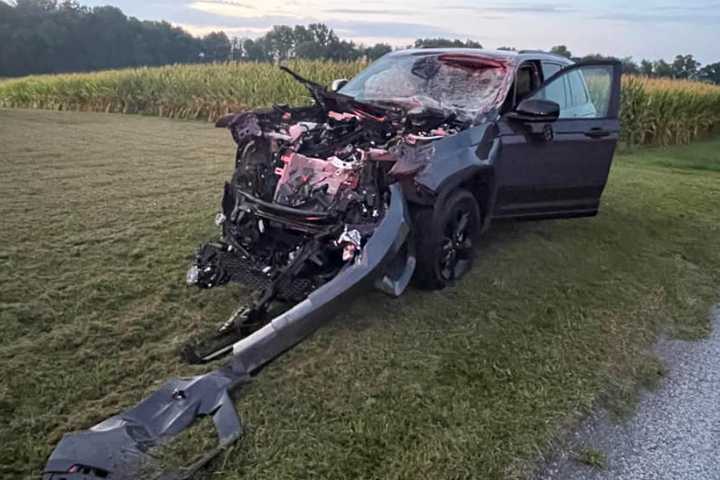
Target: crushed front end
column 309, row 189
column 316, row 208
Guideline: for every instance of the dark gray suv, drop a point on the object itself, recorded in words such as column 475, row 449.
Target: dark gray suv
column 385, row 178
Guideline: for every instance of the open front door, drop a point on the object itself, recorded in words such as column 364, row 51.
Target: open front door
column 560, row 168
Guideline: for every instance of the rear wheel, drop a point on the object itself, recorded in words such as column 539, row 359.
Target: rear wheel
column 445, row 238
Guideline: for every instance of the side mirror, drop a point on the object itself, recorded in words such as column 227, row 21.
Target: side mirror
column 536, row 110
column 338, row 84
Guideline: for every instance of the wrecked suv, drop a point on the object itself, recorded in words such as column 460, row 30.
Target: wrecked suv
column 391, row 176
column 385, row 178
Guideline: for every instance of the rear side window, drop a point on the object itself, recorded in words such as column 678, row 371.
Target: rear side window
column 556, row 91
column 582, row 92
column 550, row 69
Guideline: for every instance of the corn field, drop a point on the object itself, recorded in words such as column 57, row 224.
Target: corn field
column 178, row 91
column 668, row 112
column 654, row 111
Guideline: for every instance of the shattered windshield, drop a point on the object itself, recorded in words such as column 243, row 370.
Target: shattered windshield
column 468, row 85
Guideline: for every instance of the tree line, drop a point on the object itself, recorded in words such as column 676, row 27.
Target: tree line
column 51, row 36
column 313, row 42
column 46, row 36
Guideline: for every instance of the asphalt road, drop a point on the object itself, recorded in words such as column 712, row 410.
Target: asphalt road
column 675, row 431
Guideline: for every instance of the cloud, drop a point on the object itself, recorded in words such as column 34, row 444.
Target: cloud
column 202, row 30
column 206, row 16
column 265, row 22
column 646, row 17
column 391, row 29
column 239, row 3
column 362, row 11
column 689, row 12
column 255, row 26
column 223, row 8
column 703, row 6
column 546, row 7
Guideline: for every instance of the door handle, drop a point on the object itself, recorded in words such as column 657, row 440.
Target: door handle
column 597, row 133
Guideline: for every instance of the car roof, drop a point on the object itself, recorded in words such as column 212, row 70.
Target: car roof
column 516, row 57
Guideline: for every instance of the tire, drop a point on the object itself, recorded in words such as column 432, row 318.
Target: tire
column 445, row 236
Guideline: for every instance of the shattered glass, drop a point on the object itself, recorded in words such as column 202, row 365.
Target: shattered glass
column 466, row 85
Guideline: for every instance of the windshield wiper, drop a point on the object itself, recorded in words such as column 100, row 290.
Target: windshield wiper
column 317, row 91
column 333, row 100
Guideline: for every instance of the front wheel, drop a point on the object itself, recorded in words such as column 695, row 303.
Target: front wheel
column 445, row 238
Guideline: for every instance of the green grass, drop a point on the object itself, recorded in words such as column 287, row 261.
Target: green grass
column 100, row 214
column 592, row 458
column 703, row 156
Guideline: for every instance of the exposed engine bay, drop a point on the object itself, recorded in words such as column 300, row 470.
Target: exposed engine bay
column 310, row 186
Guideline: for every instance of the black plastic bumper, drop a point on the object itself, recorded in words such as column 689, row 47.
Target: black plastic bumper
column 118, row 448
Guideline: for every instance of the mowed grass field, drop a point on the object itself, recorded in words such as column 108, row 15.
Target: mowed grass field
column 100, row 214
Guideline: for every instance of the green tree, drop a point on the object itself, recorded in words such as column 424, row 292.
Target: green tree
column 598, row 57
column 646, row 68
column 280, row 42
column 685, row 67
column 341, row 50
column 255, row 51
column 445, row 43
column 561, row 50
column 377, row 51
column 710, row 73
column 47, row 36
column 311, row 50
column 216, row 47
column 662, row 69
column 629, row 66
column 302, row 34
column 322, row 34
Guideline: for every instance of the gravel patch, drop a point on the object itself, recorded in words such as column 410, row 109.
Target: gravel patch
column 674, row 432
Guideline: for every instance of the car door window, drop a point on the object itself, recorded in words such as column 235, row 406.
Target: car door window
column 527, row 80
column 582, row 92
column 578, row 90
column 557, row 92
column 550, row 69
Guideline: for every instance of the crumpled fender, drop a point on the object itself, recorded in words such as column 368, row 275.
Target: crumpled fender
column 460, row 156
column 469, row 155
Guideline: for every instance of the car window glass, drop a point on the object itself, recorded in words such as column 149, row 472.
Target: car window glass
column 550, row 69
column 524, row 82
column 527, row 80
column 578, row 89
column 583, row 92
column 555, row 91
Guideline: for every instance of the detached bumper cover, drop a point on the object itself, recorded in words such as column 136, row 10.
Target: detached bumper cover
column 118, row 448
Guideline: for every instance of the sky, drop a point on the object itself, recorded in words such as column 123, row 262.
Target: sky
column 637, row 28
